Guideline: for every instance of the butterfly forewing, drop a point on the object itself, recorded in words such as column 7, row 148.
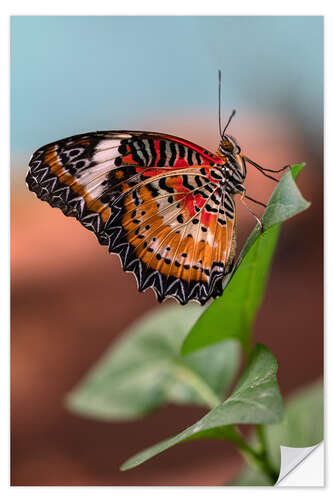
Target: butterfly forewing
column 156, row 200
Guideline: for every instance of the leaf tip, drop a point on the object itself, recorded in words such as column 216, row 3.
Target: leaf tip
column 184, row 348
column 124, row 467
column 296, row 169
column 131, row 463
column 69, row 402
column 261, row 351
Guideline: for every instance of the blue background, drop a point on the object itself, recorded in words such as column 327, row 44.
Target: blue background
column 77, row 74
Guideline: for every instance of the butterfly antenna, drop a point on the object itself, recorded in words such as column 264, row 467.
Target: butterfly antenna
column 228, row 122
column 219, row 94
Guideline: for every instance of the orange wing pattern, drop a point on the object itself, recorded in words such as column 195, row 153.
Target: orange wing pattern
column 163, row 204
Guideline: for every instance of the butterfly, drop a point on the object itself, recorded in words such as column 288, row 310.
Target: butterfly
column 163, row 204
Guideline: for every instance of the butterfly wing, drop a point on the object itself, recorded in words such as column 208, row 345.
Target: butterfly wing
column 155, row 200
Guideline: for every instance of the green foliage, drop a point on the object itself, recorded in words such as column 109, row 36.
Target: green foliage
column 145, row 369
column 302, row 426
column 232, row 315
column 252, row 477
column 256, row 399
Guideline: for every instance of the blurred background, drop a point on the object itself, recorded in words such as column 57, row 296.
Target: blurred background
column 70, row 299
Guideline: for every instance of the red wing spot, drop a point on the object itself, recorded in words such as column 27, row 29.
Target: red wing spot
column 199, row 200
column 128, row 159
column 157, row 150
column 148, row 173
column 189, row 204
column 181, row 163
column 206, row 218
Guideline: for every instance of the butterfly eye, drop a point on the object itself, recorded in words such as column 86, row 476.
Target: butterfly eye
column 226, row 145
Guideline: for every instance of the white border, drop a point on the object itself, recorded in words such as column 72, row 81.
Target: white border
column 171, row 7
column 144, row 7
column 4, row 248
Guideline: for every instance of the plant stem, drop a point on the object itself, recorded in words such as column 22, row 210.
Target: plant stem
column 262, row 437
column 260, row 429
column 258, row 459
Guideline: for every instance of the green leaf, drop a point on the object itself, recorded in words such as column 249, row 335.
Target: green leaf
column 302, row 426
column 251, row 477
column 256, row 399
column 232, row 315
column 144, row 369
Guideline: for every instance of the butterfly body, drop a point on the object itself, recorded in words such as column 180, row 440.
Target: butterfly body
column 162, row 203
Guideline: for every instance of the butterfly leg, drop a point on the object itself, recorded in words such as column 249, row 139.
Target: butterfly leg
column 243, row 195
column 267, row 169
column 255, row 201
column 263, row 170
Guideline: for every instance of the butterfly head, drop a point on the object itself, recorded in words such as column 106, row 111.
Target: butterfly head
column 235, row 166
column 228, row 146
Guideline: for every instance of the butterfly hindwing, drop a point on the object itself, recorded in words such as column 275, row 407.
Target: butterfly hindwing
column 154, row 199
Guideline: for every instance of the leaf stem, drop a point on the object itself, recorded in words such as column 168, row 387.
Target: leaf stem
column 262, row 437
column 258, row 459
column 260, row 429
